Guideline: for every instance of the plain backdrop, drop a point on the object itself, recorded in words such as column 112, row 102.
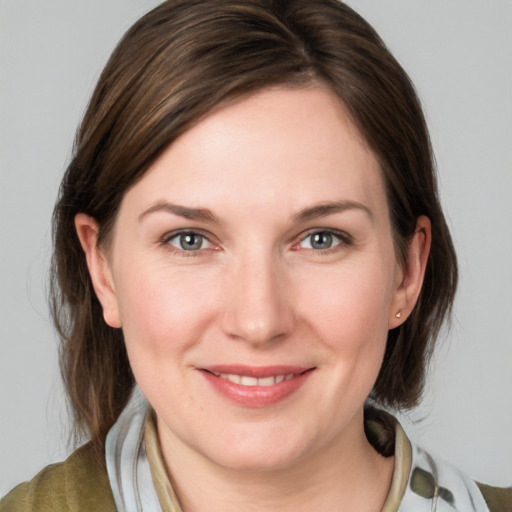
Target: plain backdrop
column 459, row 55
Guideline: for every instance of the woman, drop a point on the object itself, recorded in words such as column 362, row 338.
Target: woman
column 250, row 231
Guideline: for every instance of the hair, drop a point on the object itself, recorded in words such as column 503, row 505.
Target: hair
column 176, row 65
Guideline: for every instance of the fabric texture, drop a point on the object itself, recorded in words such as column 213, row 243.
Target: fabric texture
column 437, row 486
column 498, row 499
column 166, row 496
column 135, row 479
column 127, row 463
column 80, row 483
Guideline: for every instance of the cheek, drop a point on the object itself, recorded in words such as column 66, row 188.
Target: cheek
column 162, row 311
column 350, row 306
column 348, row 314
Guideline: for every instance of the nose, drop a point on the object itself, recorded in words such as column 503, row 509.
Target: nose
column 258, row 306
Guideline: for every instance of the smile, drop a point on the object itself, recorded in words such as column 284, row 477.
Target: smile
column 246, row 380
column 256, row 387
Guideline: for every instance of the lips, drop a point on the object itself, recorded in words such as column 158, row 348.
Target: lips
column 256, row 386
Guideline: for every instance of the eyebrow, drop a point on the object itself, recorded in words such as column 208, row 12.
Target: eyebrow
column 202, row 214
column 329, row 208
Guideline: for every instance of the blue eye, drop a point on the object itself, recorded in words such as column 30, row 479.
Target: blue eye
column 321, row 240
column 189, row 241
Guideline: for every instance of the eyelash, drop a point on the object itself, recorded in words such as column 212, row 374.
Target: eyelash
column 168, row 237
column 343, row 239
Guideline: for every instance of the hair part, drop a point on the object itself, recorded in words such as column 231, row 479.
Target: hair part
column 175, row 66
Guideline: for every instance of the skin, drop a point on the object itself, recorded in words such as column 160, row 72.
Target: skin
column 256, row 290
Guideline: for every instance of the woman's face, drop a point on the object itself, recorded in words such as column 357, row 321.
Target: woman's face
column 253, row 272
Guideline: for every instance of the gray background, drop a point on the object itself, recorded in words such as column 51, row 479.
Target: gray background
column 458, row 53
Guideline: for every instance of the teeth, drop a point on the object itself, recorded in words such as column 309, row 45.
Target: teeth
column 267, row 381
column 232, row 378
column 248, row 381
column 245, row 380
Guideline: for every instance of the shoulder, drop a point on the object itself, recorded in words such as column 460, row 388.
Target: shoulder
column 434, row 479
column 498, row 499
column 432, row 483
column 78, row 483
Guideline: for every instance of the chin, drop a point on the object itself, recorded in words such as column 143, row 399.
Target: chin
column 264, row 461
column 260, row 451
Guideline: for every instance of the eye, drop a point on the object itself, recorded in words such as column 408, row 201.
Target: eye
column 323, row 240
column 189, row 241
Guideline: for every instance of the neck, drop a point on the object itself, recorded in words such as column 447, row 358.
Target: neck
column 345, row 474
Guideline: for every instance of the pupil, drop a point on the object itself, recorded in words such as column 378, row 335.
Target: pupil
column 190, row 241
column 322, row 240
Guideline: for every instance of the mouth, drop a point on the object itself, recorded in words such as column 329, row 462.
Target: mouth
column 256, row 387
column 247, row 380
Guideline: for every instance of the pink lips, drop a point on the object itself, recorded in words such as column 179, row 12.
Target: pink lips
column 256, row 387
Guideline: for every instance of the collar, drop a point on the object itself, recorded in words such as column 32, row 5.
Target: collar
column 420, row 483
column 379, row 426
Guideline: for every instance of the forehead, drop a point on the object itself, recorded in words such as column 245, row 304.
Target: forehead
column 281, row 145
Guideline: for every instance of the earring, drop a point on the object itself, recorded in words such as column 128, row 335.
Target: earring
column 399, row 314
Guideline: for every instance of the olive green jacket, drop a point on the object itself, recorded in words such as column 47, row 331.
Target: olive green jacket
column 81, row 484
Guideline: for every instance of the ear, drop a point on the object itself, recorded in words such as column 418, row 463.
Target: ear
column 411, row 277
column 99, row 268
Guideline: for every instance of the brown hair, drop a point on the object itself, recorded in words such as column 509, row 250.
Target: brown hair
column 173, row 67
